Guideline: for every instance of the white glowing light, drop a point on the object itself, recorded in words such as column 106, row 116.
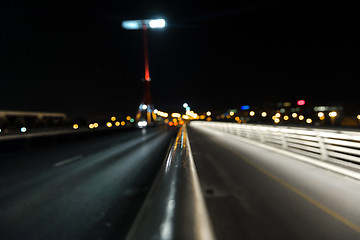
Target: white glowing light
column 157, row 23
column 142, row 124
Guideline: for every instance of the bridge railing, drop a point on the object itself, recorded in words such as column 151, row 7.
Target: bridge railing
column 342, row 147
column 175, row 207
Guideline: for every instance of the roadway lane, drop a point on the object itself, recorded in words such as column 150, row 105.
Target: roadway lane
column 89, row 189
column 253, row 193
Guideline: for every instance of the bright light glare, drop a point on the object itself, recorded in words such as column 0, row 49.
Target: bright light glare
column 23, row 129
column 176, row 115
column 75, row 126
column 332, row 114
column 185, row 105
column 157, row 23
column 142, row 124
column 144, row 106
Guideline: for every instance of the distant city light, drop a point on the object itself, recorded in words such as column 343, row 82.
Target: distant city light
column 252, row 113
column 321, row 114
column 358, row 117
column 301, row 117
column 109, row 124
column 122, row 123
column 75, row 126
column 301, row 102
column 309, row 120
column 144, row 106
column 294, row 115
column 113, row 118
column 245, row 107
column 208, row 113
column 117, row 123
column 23, row 129
column 332, row 114
column 263, row 114
column 185, row 105
column 175, row 115
column 286, row 117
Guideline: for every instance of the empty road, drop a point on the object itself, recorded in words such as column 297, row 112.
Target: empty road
column 82, row 189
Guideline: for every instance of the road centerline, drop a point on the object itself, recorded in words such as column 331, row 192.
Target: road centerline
column 67, row 160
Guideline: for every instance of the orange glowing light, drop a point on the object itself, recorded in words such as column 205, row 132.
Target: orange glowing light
column 171, row 124
column 181, row 122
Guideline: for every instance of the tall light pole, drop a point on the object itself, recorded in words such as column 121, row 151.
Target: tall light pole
column 145, row 111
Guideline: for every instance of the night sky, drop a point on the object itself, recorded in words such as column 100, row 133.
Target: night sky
column 214, row 55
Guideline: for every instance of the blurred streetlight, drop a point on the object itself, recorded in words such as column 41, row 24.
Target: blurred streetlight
column 146, row 106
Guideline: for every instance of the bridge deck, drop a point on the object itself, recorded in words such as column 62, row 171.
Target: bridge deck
column 253, row 193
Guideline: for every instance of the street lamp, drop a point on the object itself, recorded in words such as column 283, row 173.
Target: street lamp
column 144, row 25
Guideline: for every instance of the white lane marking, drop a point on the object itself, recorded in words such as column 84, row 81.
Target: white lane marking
column 68, row 160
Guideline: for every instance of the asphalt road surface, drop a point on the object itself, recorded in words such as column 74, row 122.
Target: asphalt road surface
column 253, row 193
column 88, row 189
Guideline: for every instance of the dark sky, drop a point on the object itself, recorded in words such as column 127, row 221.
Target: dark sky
column 214, row 55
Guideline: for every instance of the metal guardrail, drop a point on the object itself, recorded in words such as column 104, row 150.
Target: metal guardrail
column 342, row 147
column 175, row 207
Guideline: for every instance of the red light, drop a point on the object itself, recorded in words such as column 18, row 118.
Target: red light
column 301, row 102
column 175, row 124
column 171, row 124
column 147, row 74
